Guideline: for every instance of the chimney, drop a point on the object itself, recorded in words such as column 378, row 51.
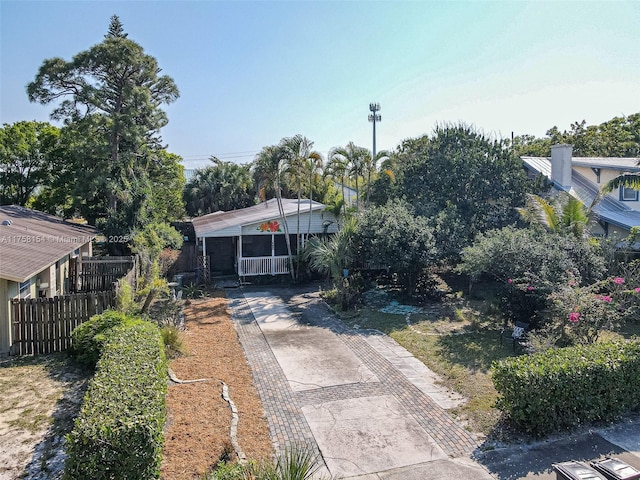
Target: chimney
column 561, row 165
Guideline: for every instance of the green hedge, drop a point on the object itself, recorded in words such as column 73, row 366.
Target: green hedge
column 118, row 432
column 562, row 388
column 87, row 338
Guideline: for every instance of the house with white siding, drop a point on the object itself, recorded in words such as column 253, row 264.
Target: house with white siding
column 251, row 241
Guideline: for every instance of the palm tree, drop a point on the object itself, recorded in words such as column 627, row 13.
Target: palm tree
column 564, row 214
column 354, row 158
column 331, row 255
column 371, row 165
column 271, row 163
column 297, row 151
column 337, row 169
column 626, row 180
column 312, row 168
column 221, row 186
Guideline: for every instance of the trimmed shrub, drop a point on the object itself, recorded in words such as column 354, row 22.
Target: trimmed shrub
column 562, row 388
column 87, row 339
column 118, row 432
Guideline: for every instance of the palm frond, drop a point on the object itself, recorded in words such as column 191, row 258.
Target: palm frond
column 627, row 180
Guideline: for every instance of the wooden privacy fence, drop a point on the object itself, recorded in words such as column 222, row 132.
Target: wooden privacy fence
column 44, row 325
column 101, row 273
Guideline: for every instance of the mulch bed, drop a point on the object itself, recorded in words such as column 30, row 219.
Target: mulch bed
column 198, row 420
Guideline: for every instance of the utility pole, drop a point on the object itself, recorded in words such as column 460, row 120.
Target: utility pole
column 374, row 117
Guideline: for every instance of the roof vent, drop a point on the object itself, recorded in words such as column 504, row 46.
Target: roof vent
column 6, row 222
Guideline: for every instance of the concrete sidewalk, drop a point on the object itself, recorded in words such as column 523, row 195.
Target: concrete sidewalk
column 371, row 410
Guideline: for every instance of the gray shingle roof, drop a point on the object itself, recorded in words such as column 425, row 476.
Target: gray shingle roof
column 31, row 241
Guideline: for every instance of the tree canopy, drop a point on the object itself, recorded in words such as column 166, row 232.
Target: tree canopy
column 474, row 180
column 110, row 95
column 618, row 137
column 29, row 152
column 221, row 186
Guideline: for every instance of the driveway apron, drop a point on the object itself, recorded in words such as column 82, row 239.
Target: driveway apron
column 365, row 409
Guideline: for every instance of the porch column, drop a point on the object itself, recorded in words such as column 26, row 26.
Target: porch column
column 273, row 254
column 240, row 272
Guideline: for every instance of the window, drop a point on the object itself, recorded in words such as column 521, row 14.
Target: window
column 628, row 194
column 25, row 289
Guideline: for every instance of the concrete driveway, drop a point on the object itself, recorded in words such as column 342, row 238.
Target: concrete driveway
column 365, row 411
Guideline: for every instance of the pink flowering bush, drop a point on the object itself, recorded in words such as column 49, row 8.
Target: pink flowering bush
column 579, row 314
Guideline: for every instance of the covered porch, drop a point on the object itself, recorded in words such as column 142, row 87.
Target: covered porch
column 248, row 255
column 252, row 241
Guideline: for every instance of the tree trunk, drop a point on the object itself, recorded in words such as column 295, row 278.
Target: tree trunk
column 344, row 205
column 286, row 231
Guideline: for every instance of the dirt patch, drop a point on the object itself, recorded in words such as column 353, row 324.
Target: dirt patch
column 40, row 398
column 197, row 433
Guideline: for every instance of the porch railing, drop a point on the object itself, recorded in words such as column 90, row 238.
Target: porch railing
column 263, row 265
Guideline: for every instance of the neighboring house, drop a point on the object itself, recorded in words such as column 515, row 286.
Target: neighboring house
column 251, row 241
column 582, row 177
column 350, row 194
column 37, row 253
column 189, row 173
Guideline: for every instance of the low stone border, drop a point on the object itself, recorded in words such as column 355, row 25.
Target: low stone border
column 233, row 433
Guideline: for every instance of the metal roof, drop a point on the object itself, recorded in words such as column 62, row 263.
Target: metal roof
column 538, row 164
column 31, row 241
column 607, row 209
column 543, row 164
column 613, row 163
column 212, row 222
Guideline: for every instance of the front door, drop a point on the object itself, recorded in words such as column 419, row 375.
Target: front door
column 222, row 255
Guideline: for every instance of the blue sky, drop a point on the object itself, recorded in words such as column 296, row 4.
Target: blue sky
column 250, row 73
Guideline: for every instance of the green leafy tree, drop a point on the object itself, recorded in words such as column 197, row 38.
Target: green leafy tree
column 29, row 154
column 148, row 243
column 393, row 236
column 221, row 186
column 459, row 168
column 381, row 189
column 618, row 137
column 111, row 96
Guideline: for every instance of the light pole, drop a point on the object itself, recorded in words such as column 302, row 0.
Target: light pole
column 374, row 117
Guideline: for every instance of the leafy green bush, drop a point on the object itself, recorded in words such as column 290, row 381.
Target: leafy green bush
column 392, row 236
column 118, row 432
column 528, row 264
column 87, row 339
column 562, row 388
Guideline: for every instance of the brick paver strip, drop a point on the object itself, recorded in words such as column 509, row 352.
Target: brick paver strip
column 287, row 424
column 282, row 406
